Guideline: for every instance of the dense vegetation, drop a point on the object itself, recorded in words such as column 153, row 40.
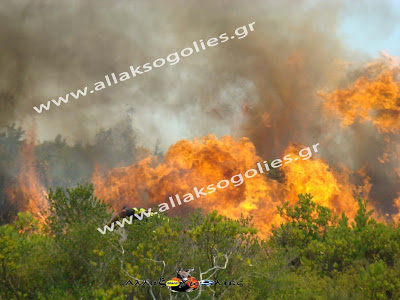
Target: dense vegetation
column 312, row 255
column 58, row 163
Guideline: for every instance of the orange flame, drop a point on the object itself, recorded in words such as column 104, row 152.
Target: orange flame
column 329, row 187
column 206, row 161
column 30, row 195
column 396, row 217
column 374, row 97
column 31, row 187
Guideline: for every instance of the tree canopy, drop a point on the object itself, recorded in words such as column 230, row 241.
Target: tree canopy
column 313, row 254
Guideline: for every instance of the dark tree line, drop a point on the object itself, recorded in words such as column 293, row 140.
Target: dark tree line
column 59, row 163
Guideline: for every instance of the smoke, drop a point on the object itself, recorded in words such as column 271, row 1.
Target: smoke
column 263, row 86
column 49, row 49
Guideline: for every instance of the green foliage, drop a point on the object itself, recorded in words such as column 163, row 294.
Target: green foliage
column 75, row 206
column 21, row 246
column 81, row 254
column 354, row 261
column 305, row 222
column 312, row 255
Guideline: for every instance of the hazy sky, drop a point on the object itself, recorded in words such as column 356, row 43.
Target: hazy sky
column 365, row 30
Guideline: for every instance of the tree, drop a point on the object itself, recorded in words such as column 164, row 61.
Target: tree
column 83, row 257
column 304, row 222
column 11, row 141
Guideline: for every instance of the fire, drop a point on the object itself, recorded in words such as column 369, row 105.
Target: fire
column 31, row 187
column 30, row 195
column 203, row 162
column 188, row 164
column 396, row 217
column 374, row 97
column 208, row 160
column 329, row 187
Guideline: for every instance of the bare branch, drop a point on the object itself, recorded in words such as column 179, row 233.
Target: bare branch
column 122, row 251
column 151, row 292
column 216, row 268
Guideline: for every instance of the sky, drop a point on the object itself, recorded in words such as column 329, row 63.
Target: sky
column 366, row 31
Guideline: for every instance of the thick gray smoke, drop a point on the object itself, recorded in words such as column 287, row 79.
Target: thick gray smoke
column 262, row 86
column 50, row 49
